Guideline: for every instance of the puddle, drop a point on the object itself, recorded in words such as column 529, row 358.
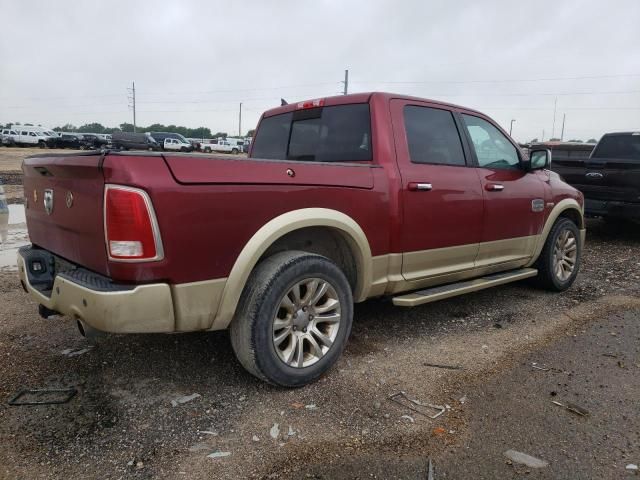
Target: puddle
column 13, row 235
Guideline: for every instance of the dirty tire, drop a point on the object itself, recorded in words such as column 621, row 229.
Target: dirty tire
column 547, row 277
column 234, row 151
column 251, row 329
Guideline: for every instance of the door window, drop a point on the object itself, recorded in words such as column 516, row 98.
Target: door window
column 432, row 136
column 492, row 148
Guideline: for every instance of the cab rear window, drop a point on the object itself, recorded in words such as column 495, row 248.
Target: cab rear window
column 340, row 133
column 618, row 146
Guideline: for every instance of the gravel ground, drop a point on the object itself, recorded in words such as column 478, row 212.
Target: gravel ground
column 122, row 424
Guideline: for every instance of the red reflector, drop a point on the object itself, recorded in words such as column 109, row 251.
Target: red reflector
column 318, row 102
column 130, row 229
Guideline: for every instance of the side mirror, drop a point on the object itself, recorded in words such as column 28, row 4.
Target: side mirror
column 539, row 159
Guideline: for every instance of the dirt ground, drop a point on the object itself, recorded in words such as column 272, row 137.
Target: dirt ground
column 122, row 424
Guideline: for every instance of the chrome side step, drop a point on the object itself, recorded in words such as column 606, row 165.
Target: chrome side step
column 434, row 294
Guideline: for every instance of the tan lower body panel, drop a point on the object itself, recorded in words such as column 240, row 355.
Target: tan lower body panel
column 196, row 304
column 145, row 309
column 453, row 290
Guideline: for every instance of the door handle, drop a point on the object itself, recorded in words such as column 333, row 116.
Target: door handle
column 418, row 186
column 494, row 187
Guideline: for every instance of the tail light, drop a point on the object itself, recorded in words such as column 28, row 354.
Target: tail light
column 131, row 227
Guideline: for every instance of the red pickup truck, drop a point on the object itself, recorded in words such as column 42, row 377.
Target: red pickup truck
column 341, row 199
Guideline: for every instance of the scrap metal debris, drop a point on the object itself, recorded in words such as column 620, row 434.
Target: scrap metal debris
column 185, row 399
column 430, row 471
column 43, row 396
column 448, row 367
column 572, row 407
column 218, row 454
column 632, row 467
column 403, row 400
column 524, row 459
column 72, row 352
column 275, row 431
column 407, row 417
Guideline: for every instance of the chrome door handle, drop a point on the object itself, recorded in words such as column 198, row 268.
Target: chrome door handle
column 422, row 187
column 494, row 187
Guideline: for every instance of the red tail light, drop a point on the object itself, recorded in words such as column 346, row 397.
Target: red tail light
column 131, row 228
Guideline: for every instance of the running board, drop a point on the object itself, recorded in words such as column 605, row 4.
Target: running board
column 454, row 289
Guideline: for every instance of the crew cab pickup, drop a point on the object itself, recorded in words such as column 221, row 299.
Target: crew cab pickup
column 341, row 199
column 609, row 178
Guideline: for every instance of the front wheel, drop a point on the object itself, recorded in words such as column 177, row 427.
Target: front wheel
column 559, row 261
column 293, row 319
column 234, row 151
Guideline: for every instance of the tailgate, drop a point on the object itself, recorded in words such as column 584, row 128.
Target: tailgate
column 603, row 178
column 64, row 197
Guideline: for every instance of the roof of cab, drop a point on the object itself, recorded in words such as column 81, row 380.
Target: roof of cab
column 363, row 97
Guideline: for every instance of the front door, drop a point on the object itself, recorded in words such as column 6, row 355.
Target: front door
column 441, row 195
column 514, row 200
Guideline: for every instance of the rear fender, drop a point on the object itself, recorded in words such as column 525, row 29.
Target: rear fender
column 277, row 228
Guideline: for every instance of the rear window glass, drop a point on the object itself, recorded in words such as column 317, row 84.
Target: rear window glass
column 327, row 134
column 618, row 146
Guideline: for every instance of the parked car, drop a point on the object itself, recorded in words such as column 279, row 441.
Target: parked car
column 26, row 137
column 8, row 137
column 343, row 199
column 133, row 141
column 161, row 136
column 609, row 177
column 68, row 140
column 91, row 141
column 177, row 145
column 221, row 145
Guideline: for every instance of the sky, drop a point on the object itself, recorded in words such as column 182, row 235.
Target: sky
column 194, row 61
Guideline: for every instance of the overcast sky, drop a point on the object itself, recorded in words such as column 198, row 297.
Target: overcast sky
column 193, row 61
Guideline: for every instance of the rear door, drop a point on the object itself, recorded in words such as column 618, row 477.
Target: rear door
column 514, row 200
column 441, row 197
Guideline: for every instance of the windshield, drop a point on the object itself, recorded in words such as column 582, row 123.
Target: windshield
column 619, row 146
column 327, row 134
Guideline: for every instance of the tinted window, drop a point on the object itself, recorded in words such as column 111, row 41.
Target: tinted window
column 326, row 134
column 492, row 148
column 432, row 136
column 618, row 146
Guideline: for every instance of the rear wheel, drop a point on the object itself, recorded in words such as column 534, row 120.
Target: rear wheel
column 559, row 261
column 234, row 151
column 207, row 150
column 293, row 319
column 41, row 145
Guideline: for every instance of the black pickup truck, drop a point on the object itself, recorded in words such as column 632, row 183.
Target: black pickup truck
column 609, row 178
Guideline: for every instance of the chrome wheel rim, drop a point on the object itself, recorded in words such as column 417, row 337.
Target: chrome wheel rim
column 306, row 323
column 565, row 254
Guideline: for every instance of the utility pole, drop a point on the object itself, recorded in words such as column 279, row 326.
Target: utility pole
column 346, row 82
column 133, row 99
column 511, row 126
column 240, row 121
column 553, row 130
column 564, row 116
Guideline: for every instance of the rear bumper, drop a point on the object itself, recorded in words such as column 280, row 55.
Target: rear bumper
column 96, row 301
column 600, row 208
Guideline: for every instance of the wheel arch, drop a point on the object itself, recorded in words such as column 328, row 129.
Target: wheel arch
column 267, row 239
column 568, row 208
